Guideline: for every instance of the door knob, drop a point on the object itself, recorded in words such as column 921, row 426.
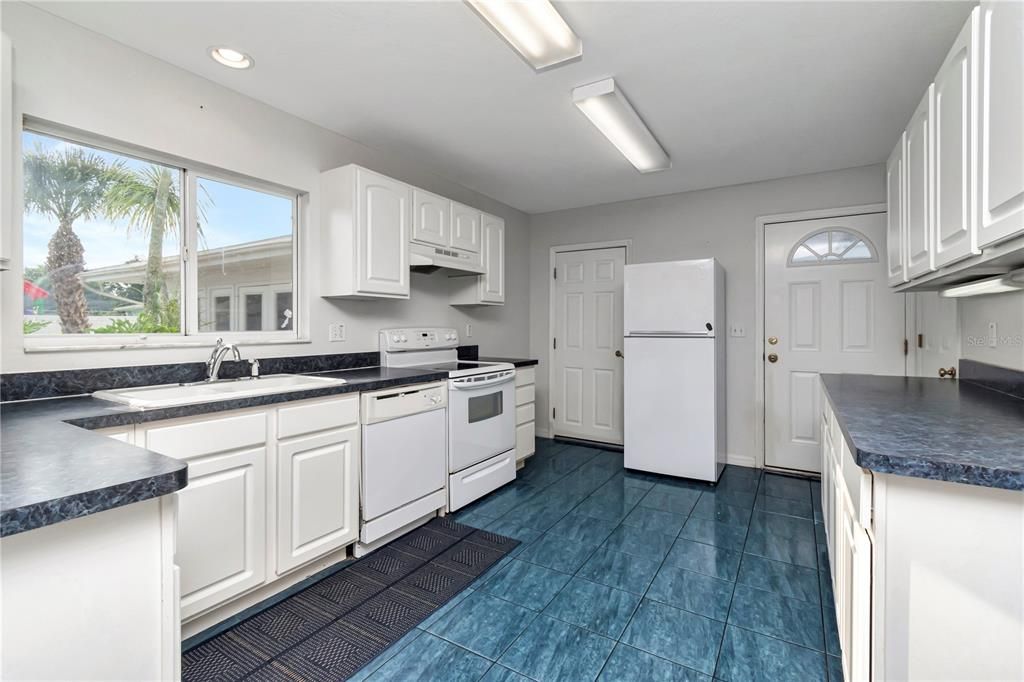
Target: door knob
column 772, row 340
column 951, row 372
column 619, row 354
column 772, row 357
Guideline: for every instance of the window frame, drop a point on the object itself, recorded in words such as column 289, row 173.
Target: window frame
column 822, row 261
column 190, row 334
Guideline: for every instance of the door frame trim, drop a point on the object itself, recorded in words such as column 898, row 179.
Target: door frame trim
column 760, row 223
column 625, row 244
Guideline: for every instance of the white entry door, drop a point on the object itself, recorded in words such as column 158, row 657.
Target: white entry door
column 586, row 387
column 827, row 309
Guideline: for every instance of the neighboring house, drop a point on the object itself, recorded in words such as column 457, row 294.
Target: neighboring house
column 244, row 287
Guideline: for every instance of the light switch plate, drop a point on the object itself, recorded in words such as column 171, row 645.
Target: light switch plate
column 336, row 331
column 469, row 331
column 737, row 331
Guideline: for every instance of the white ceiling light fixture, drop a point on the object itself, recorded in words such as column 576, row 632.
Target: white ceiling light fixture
column 533, row 28
column 609, row 110
column 1012, row 281
column 232, row 58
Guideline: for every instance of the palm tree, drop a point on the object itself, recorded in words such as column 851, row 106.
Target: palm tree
column 149, row 200
column 68, row 185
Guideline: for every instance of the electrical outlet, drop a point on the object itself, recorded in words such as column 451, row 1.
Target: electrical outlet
column 336, row 331
column 737, row 331
column 469, row 331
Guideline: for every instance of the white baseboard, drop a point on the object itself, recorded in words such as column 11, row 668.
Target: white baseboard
column 740, row 460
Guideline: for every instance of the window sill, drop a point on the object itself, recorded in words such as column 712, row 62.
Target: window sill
column 58, row 344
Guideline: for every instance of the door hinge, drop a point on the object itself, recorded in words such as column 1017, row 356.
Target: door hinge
column 906, row 347
column 554, row 273
column 920, row 340
column 552, row 413
column 554, row 343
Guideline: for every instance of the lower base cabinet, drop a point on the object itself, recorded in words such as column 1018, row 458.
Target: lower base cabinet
column 526, row 378
column 270, row 490
column 926, row 574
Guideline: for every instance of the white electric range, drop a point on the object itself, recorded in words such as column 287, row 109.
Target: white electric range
column 481, row 409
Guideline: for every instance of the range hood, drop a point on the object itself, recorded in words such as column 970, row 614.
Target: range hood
column 427, row 259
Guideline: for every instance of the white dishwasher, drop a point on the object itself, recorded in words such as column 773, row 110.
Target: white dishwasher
column 404, row 461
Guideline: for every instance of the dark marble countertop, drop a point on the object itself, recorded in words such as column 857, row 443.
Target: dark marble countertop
column 518, row 362
column 52, row 468
column 931, row 428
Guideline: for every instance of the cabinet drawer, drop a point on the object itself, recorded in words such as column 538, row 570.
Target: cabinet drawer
column 524, row 394
column 317, row 415
column 525, row 413
column 526, row 376
column 525, row 440
column 185, row 441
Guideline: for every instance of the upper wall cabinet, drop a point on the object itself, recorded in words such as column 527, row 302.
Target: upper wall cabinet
column 432, row 218
column 895, row 220
column 918, row 160
column 465, row 228
column 954, row 236
column 955, row 180
column 1001, row 122
column 366, row 222
column 488, row 288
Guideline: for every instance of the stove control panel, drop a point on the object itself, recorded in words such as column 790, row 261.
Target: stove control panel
column 418, row 338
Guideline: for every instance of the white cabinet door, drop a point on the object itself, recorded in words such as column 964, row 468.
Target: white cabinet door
column 954, row 235
column 222, row 549
column 465, row 228
column 431, row 221
column 317, row 496
column 383, row 226
column 492, row 284
column 1001, row 122
column 895, row 231
column 918, row 185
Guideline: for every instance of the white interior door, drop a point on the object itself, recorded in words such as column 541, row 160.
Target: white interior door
column 933, row 333
column 827, row 309
column 586, row 386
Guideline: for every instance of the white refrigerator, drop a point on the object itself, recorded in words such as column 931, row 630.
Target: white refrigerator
column 674, row 375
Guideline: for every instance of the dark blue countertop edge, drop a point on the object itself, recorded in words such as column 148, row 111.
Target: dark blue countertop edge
column 26, row 425
column 932, row 468
column 518, row 362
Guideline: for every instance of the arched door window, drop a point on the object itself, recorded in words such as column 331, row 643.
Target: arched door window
column 833, row 246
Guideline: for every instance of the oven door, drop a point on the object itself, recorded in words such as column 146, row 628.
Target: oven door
column 481, row 418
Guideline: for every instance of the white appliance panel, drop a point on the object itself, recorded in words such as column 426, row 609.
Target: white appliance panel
column 482, row 421
column 403, row 460
column 670, row 407
column 673, row 297
column 476, row 481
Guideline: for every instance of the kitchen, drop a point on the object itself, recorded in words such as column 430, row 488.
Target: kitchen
column 234, row 524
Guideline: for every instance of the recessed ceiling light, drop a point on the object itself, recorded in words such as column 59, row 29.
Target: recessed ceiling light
column 609, row 110
column 534, row 28
column 232, row 58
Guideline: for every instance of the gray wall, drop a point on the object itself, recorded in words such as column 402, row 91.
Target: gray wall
column 1007, row 311
column 74, row 77
column 717, row 222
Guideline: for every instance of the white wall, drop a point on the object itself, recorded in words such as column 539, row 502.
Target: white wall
column 717, row 222
column 80, row 79
column 1007, row 311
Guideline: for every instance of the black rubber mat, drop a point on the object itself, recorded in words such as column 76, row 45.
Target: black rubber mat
column 333, row 628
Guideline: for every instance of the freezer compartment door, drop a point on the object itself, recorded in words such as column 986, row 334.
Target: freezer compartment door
column 670, row 407
column 673, row 297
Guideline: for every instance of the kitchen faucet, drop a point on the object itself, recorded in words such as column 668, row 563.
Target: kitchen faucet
column 217, row 357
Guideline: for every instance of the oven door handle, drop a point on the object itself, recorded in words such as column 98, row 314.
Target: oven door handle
column 462, row 385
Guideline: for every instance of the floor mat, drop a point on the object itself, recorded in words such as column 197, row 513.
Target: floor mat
column 334, row 627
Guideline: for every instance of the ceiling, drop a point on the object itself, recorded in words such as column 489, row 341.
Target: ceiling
column 735, row 91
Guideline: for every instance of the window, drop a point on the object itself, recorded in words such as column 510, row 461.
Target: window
column 832, row 246
column 121, row 244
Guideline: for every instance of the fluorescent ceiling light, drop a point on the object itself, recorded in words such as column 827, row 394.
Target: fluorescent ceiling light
column 534, row 28
column 608, row 109
column 231, row 58
column 1013, row 281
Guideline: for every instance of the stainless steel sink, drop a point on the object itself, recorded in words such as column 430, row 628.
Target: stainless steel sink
column 170, row 395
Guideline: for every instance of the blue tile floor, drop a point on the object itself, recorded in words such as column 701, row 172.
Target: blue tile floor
column 627, row 576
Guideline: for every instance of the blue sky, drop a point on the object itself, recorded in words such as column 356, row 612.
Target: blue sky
column 233, row 215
